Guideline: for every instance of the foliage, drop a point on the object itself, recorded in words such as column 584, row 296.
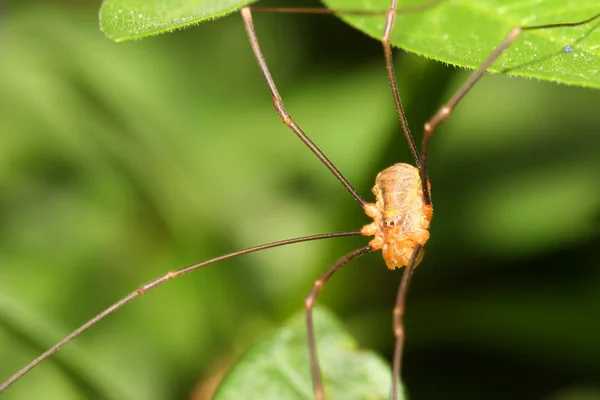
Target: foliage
column 277, row 367
column 458, row 32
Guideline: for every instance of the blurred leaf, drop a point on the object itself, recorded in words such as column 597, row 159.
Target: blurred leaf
column 579, row 393
column 34, row 330
column 278, row 367
column 465, row 32
column 133, row 19
column 521, row 212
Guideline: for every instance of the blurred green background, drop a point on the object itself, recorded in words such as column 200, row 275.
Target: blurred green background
column 120, row 162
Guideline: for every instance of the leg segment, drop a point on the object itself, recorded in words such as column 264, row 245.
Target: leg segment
column 280, row 108
column 446, row 110
column 152, row 285
column 310, row 328
column 398, row 324
column 389, row 66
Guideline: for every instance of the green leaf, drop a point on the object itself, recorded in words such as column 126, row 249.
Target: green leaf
column 277, row 367
column 465, row 32
column 458, row 32
column 124, row 20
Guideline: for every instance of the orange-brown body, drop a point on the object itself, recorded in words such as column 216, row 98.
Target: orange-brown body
column 401, row 216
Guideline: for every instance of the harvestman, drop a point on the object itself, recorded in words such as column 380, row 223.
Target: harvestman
column 402, row 211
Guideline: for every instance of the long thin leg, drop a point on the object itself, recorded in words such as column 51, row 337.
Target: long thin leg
column 446, row 110
column 390, row 13
column 389, row 66
column 398, row 323
column 310, row 329
column 283, row 114
column 153, row 284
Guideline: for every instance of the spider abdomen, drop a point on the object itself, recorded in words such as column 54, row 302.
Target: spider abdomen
column 401, row 215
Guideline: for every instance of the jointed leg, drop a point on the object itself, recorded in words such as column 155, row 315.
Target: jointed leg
column 280, row 108
column 389, row 66
column 398, row 323
column 446, row 110
column 310, row 329
column 152, row 285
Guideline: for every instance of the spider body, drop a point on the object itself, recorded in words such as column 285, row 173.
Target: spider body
column 400, row 213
